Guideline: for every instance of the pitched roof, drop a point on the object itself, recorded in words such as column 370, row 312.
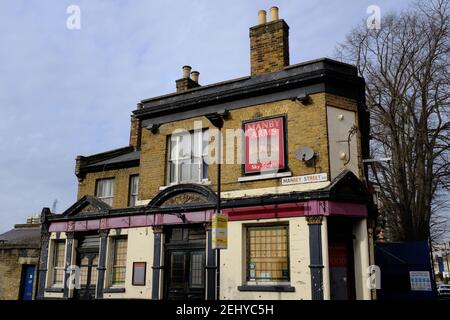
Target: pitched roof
column 131, row 156
column 29, row 236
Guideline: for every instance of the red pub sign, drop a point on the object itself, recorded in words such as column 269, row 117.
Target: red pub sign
column 264, row 145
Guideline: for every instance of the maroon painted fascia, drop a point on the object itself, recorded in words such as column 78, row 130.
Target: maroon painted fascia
column 307, row 208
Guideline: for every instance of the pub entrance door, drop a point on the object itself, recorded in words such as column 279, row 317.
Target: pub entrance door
column 87, row 261
column 341, row 261
column 185, row 260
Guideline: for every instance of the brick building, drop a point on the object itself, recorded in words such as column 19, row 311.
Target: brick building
column 291, row 183
column 19, row 257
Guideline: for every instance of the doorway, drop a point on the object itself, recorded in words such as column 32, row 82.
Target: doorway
column 185, row 260
column 87, row 261
column 27, row 282
column 341, row 259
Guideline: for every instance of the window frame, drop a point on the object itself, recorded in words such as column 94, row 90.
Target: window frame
column 112, row 265
column 178, row 161
column 54, row 267
column 271, row 281
column 102, row 198
column 131, row 195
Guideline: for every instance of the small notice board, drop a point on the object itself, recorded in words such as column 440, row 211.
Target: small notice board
column 219, row 231
column 420, row 280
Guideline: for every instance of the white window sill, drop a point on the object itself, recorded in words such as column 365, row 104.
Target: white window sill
column 204, row 183
column 114, row 289
column 265, row 176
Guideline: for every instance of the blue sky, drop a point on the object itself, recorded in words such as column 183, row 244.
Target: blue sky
column 69, row 92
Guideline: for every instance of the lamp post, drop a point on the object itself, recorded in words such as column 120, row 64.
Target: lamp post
column 217, row 120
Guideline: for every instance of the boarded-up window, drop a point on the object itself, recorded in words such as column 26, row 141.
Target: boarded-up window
column 268, row 253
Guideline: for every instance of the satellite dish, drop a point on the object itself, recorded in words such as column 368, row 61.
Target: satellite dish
column 304, row 154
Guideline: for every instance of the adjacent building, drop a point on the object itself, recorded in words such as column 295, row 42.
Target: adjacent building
column 19, row 258
column 292, row 184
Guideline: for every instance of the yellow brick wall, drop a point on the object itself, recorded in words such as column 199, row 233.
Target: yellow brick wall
column 11, row 271
column 121, row 184
column 306, row 126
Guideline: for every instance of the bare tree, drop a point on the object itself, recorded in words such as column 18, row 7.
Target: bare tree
column 406, row 67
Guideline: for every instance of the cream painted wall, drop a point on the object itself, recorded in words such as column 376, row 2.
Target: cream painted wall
column 339, row 123
column 139, row 249
column 361, row 254
column 275, row 190
column 325, row 260
column 232, row 262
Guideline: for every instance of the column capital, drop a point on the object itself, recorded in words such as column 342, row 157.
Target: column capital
column 314, row 219
column 157, row 229
column 45, row 236
column 207, row 225
column 70, row 235
column 103, row 232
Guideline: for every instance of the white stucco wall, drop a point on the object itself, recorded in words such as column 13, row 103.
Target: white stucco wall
column 325, row 260
column 232, row 262
column 139, row 249
column 340, row 122
column 361, row 257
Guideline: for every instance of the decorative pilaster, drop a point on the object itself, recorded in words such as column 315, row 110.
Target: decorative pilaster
column 101, row 268
column 43, row 259
column 211, row 266
column 157, row 234
column 69, row 253
column 315, row 254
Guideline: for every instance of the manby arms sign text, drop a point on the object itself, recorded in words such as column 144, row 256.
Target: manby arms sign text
column 264, row 145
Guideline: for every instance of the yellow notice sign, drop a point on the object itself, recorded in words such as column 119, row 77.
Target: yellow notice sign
column 219, row 231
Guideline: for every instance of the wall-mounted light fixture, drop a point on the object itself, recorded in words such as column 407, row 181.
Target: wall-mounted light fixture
column 154, row 127
column 303, row 97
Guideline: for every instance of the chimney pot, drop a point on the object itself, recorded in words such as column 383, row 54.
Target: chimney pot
column 186, row 71
column 274, row 15
column 194, row 76
column 262, row 17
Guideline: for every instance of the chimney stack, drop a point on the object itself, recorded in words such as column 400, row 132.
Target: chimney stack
column 186, row 83
column 269, row 43
column 135, row 131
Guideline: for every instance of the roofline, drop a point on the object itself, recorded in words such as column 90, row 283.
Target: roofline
column 320, row 75
column 108, row 154
column 217, row 84
column 110, row 166
column 83, row 161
